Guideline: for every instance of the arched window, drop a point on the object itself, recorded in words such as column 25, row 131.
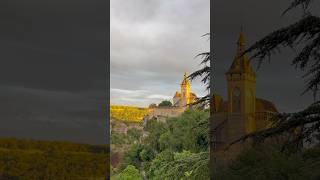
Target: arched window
column 236, row 105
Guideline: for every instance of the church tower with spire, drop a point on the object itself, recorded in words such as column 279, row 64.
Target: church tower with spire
column 185, row 97
column 241, row 113
column 241, row 81
column 185, row 90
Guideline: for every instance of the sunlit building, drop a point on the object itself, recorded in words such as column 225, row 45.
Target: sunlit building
column 242, row 112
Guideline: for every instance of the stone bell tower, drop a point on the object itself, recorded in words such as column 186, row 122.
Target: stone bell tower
column 241, row 80
column 185, row 90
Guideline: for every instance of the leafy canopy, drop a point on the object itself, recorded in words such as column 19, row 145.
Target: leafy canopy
column 130, row 173
column 165, row 103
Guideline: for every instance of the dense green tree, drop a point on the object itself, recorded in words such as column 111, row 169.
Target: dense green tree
column 147, row 154
column 183, row 165
column 134, row 134
column 155, row 129
column 117, row 138
column 129, row 173
column 161, row 160
column 132, row 157
column 186, row 133
column 165, row 103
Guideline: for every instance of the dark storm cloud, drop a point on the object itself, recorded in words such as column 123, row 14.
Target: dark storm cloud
column 58, row 115
column 53, row 69
column 39, row 39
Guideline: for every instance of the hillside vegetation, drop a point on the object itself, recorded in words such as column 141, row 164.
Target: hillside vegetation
column 175, row 149
column 30, row 159
column 128, row 113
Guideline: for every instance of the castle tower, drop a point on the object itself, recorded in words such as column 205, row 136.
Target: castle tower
column 241, row 80
column 185, row 90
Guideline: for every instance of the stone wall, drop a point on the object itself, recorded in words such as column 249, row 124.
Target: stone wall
column 162, row 113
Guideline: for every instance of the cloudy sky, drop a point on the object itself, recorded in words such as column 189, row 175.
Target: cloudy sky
column 53, row 69
column 54, row 59
column 154, row 42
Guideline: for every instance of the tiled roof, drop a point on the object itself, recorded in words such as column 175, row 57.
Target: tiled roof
column 262, row 105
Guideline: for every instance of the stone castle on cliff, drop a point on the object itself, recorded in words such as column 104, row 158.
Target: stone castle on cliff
column 241, row 113
column 181, row 101
column 185, row 97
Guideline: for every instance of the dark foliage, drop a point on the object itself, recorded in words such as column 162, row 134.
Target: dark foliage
column 305, row 32
column 203, row 73
column 303, row 3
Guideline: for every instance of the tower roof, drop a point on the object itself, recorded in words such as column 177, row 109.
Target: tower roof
column 241, row 40
column 177, row 94
column 241, row 63
column 185, row 80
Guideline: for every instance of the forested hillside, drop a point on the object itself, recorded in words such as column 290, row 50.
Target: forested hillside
column 176, row 148
column 128, row 113
column 30, row 159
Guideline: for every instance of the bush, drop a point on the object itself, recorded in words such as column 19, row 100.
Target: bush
column 130, row 173
column 180, row 165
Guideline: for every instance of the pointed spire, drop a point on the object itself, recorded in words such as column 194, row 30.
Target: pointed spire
column 185, row 79
column 241, row 41
column 241, row 62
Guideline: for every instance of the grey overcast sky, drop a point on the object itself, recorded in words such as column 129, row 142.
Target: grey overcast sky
column 154, row 42
column 53, row 69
